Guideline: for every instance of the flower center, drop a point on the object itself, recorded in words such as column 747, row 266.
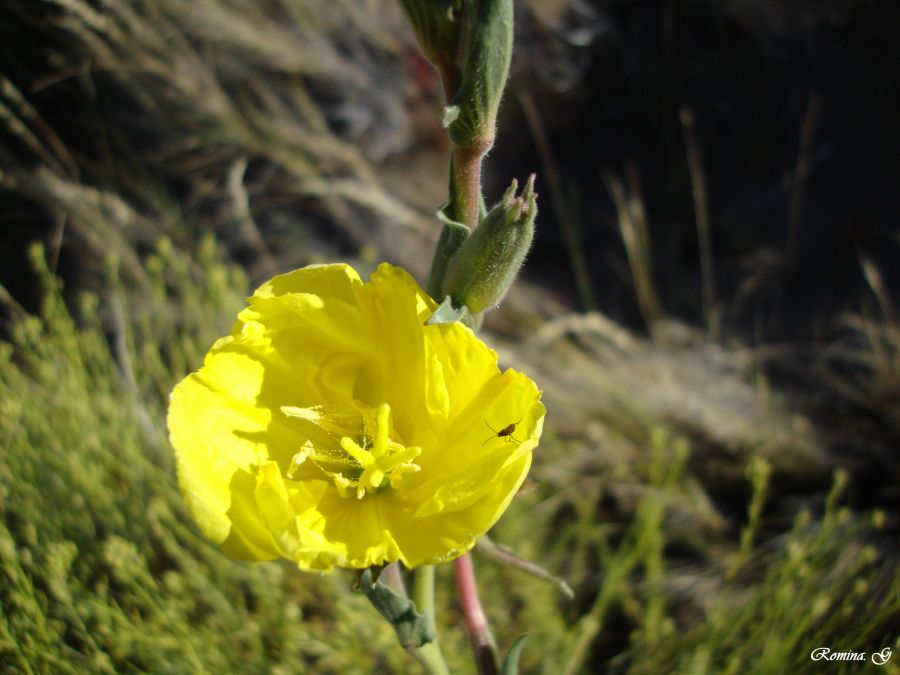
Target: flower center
column 353, row 447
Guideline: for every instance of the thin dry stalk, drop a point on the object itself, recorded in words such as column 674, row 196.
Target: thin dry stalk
column 701, row 214
column 568, row 223
column 801, row 171
column 632, row 221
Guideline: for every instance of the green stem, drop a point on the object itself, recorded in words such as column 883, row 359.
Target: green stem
column 429, row 655
column 423, row 594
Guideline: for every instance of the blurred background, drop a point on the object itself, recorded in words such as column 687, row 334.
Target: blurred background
column 709, row 307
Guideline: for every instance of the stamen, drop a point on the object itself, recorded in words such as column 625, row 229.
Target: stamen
column 367, row 459
column 299, row 458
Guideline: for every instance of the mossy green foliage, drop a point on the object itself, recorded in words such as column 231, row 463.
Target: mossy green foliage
column 101, row 568
column 824, row 583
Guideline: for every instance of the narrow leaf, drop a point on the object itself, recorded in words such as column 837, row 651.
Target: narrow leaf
column 511, row 662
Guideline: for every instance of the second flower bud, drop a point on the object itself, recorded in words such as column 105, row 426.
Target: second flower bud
column 481, row 271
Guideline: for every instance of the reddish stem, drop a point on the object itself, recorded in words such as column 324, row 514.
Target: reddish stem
column 476, row 621
column 467, row 183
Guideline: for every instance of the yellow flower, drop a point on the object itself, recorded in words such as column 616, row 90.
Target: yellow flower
column 333, row 428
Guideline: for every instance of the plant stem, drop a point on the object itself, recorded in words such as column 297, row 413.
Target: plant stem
column 476, row 622
column 466, row 182
column 423, row 594
column 429, row 655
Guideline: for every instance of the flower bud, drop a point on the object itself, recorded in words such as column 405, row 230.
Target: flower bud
column 438, row 27
column 472, row 114
column 485, row 265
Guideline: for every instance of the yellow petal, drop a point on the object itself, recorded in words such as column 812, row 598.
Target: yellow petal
column 468, row 438
column 392, row 305
column 213, row 424
column 437, row 394
column 338, row 281
column 250, row 537
column 362, row 526
column 444, row 536
column 467, row 364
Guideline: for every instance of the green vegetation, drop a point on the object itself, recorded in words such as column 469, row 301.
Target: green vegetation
column 104, row 571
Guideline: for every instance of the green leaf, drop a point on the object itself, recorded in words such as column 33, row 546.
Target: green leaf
column 511, row 662
column 411, row 627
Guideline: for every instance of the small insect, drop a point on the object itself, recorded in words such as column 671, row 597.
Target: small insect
column 506, row 432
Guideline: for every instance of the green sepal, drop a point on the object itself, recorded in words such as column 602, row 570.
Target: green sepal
column 482, row 208
column 411, row 627
column 487, row 50
column 511, row 661
column 374, row 574
column 448, row 312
